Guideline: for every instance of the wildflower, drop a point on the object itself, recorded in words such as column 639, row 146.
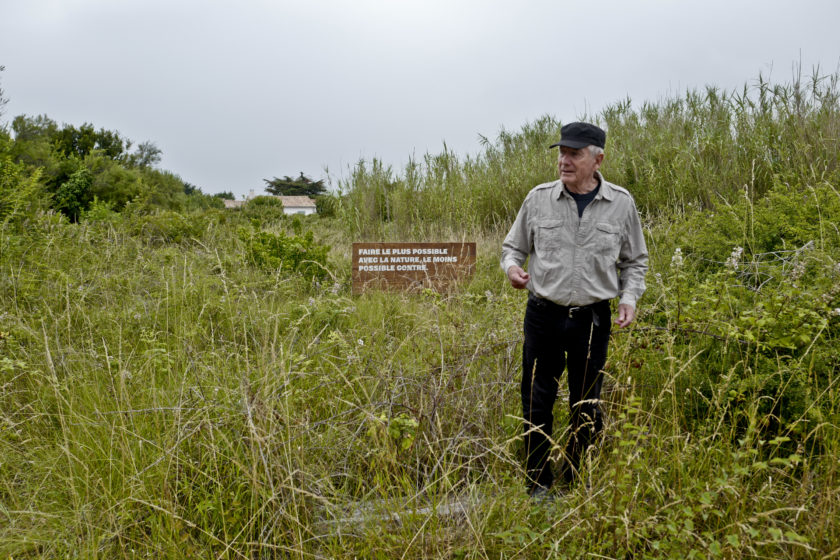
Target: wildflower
column 658, row 278
column 677, row 259
column 360, row 342
column 798, row 270
column 734, row 259
column 836, row 311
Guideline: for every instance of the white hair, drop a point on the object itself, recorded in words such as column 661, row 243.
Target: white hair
column 593, row 150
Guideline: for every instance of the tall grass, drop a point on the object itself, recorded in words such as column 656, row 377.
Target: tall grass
column 701, row 148
column 163, row 396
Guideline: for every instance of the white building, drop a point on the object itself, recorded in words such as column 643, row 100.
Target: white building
column 291, row 204
column 297, row 205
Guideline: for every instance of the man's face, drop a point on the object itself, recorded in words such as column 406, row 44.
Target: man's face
column 577, row 166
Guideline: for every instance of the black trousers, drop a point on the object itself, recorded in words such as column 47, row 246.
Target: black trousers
column 556, row 338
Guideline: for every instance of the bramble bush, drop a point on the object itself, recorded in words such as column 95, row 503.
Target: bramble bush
column 299, row 254
column 784, row 220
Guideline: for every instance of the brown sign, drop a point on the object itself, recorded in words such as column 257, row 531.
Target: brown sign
column 411, row 266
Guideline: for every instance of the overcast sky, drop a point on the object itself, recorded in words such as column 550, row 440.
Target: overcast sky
column 234, row 92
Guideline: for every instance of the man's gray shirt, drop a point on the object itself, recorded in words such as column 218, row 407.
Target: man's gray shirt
column 579, row 260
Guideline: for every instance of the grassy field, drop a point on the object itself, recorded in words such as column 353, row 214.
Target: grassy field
column 191, row 385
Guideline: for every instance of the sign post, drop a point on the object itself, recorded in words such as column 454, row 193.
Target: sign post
column 411, row 266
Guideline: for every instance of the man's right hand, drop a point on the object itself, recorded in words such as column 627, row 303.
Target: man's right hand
column 518, row 277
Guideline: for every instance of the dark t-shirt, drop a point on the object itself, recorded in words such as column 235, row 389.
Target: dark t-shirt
column 584, row 199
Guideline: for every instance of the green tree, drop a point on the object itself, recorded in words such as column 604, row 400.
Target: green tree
column 74, row 195
column 146, row 155
column 302, row 186
column 28, row 129
column 162, row 189
column 113, row 182
column 82, row 141
column 225, row 195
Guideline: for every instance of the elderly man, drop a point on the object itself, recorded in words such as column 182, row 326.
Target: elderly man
column 583, row 240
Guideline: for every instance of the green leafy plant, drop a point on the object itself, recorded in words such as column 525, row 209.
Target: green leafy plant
column 281, row 252
column 74, row 195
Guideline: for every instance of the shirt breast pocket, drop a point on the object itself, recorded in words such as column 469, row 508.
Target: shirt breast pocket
column 607, row 240
column 549, row 236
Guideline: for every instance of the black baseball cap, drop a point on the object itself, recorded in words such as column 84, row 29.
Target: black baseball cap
column 580, row 135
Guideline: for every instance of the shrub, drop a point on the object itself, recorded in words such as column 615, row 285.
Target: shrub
column 786, row 219
column 264, row 210
column 20, row 192
column 326, row 205
column 100, row 211
column 300, row 254
column 74, row 195
column 167, row 227
column 265, row 201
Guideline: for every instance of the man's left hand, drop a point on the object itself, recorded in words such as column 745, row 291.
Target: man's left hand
column 626, row 314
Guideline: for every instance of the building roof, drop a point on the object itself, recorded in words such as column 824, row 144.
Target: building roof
column 288, row 202
column 297, row 201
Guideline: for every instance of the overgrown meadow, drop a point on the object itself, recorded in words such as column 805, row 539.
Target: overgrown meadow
column 184, row 381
